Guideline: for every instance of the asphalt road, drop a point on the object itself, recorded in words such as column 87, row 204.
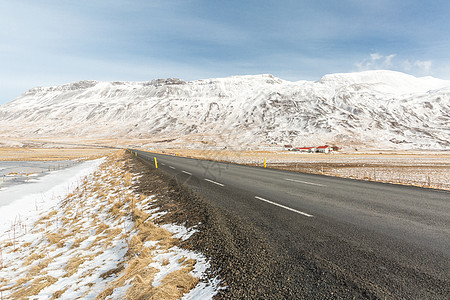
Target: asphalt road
column 393, row 240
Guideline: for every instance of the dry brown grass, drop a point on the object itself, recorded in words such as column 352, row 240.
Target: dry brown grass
column 173, row 286
column 34, row 287
column 47, row 217
column 116, row 211
column 111, row 235
column 128, row 177
column 37, row 268
column 101, row 227
column 32, row 258
column 150, row 232
column 59, row 293
column 41, row 154
column 78, row 241
column 56, row 238
column 137, row 267
column 176, row 284
column 72, row 265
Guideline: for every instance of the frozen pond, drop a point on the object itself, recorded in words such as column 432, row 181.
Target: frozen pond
column 21, row 172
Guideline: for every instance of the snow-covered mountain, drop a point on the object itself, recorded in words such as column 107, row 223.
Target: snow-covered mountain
column 377, row 109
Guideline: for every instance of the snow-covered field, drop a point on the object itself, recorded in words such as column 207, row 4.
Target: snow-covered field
column 83, row 233
column 430, row 173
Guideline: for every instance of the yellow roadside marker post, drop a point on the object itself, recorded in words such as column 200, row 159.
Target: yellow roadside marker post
column 265, row 163
column 156, row 164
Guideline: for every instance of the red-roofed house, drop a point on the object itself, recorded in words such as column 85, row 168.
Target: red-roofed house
column 305, row 149
column 324, row 149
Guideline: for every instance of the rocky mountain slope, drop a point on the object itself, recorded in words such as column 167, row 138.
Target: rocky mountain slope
column 376, row 109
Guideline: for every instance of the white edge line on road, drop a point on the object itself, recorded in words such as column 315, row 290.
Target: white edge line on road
column 305, row 182
column 172, row 167
column 186, row 172
column 213, row 182
column 285, row 207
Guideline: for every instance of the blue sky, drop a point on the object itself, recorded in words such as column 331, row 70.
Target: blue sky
column 54, row 42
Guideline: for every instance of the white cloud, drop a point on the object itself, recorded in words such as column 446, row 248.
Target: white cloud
column 393, row 62
column 425, row 66
column 375, row 56
column 388, row 60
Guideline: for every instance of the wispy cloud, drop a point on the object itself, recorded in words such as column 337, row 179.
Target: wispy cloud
column 422, row 65
column 377, row 61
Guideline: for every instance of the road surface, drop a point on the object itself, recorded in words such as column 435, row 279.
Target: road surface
column 393, row 240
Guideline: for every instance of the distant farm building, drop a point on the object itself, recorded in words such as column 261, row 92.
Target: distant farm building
column 320, row 149
column 324, row 149
column 305, row 149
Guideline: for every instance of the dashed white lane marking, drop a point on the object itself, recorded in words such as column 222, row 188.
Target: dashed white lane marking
column 163, row 164
column 214, row 182
column 305, row 182
column 172, row 167
column 285, row 207
column 186, row 172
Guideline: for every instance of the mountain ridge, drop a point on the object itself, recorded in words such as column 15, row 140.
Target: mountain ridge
column 374, row 109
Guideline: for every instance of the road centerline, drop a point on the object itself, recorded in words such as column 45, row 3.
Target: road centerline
column 185, row 172
column 304, row 182
column 172, row 167
column 285, row 207
column 212, row 181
